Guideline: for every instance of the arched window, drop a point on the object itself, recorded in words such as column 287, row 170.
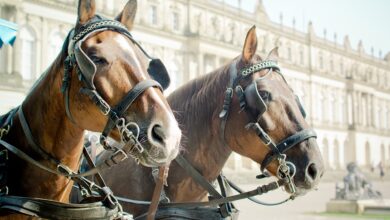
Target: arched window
column 55, row 45
column 175, row 21
column 153, row 14
column 175, row 74
column 325, row 152
column 28, row 48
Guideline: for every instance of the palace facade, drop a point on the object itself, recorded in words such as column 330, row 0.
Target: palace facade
column 346, row 91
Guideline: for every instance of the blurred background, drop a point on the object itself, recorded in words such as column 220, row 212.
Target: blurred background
column 340, row 68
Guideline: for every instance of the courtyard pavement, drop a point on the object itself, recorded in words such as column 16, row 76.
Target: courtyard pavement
column 302, row 208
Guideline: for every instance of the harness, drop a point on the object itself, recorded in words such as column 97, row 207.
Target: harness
column 250, row 96
column 107, row 206
column 247, row 96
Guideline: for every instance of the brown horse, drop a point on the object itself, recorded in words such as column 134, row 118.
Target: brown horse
column 197, row 106
column 120, row 66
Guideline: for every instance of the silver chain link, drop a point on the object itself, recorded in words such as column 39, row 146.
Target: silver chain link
column 259, row 66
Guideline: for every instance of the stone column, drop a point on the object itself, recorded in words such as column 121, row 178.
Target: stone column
column 45, row 37
column 355, row 107
column 17, row 49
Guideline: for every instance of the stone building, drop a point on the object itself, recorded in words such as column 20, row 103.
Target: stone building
column 345, row 91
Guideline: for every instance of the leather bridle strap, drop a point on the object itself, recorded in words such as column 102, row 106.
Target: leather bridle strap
column 197, row 176
column 117, row 112
column 161, row 180
column 284, row 145
column 30, row 138
column 200, row 179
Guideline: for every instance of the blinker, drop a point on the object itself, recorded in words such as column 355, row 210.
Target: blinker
column 253, row 98
column 159, row 73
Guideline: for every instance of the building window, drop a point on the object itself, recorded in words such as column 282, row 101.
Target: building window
column 55, row 45
column 289, row 53
column 153, row 14
column 321, row 61
column 175, row 21
column 27, row 39
column 331, row 64
column 301, row 61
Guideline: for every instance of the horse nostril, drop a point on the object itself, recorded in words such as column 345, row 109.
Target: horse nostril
column 158, row 134
column 312, row 171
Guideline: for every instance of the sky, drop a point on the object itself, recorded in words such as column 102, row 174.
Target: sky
column 366, row 20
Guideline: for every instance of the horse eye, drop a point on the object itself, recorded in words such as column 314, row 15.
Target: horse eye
column 98, row 60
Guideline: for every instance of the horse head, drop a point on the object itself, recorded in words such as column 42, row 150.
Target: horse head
column 113, row 85
column 277, row 136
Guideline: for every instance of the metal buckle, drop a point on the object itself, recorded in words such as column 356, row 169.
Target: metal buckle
column 120, row 151
column 267, row 139
column 4, row 131
column 106, row 109
column 64, row 169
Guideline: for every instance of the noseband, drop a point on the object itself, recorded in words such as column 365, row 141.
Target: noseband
column 286, row 169
column 86, row 71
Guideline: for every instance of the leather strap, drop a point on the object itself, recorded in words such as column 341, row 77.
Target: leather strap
column 50, row 209
column 286, row 144
column 197, row 176
column 92, row 165
column 258, row 191
column 30, row 138
column 126, row 102
column 161, row 180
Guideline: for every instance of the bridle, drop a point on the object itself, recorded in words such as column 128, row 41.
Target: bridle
column 107, row 206
column 250, row 94
column 286, row 170
column 86, row 71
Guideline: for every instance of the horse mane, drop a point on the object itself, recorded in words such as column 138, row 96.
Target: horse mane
column 192, row 104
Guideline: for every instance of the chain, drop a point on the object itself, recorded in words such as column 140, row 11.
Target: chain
column 259, row 66
column 96, row 26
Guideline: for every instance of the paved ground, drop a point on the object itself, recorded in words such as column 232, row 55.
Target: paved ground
column 303, row 208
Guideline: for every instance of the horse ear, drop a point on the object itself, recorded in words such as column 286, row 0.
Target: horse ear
column 86, row 11
column 127, row 15
column 250, row 45
column 273, row 55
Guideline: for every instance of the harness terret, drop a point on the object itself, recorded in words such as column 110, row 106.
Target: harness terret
column 107, row 206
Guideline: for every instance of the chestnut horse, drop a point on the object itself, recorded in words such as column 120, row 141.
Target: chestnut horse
column 56, row 127
column 197, row 106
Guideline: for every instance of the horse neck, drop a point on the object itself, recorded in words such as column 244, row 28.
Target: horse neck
column 51, row 129
column 44, row 109
column 196, row 106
